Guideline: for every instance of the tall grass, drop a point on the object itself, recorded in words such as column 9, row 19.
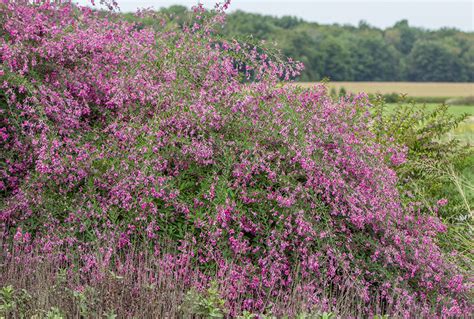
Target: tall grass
column 146, row 285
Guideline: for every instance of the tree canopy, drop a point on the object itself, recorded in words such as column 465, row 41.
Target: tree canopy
column 358, row 53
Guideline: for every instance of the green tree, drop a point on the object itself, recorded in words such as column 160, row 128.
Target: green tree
column 407, row 36
column 432, row 60
column 300, row 45
column 336, row 60
column 374, row 60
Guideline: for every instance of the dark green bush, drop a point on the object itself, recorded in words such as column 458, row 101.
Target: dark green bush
column 428, row 99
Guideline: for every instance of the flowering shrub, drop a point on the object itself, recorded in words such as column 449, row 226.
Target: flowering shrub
column 117, row 137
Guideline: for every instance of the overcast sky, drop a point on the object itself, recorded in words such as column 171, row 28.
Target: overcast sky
column 381, row 13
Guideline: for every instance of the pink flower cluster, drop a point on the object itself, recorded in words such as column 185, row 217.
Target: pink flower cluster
column 119, row 136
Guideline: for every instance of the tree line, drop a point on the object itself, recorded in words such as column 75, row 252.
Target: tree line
column 358, row 53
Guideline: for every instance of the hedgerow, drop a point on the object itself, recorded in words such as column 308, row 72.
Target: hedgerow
column 124, row 144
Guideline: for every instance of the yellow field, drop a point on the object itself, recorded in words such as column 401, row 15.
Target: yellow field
column 413, row 89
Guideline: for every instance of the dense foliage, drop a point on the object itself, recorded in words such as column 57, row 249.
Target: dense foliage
column 362, row 53
column 438, row 168
column 145, row 153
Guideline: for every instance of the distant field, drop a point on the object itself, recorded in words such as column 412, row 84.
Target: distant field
column 413, row 89
column 465, row 131
column 453, row 109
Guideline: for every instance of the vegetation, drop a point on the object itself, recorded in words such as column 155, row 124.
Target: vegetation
column 362, row 53
column 168, row 172
column 438, row 166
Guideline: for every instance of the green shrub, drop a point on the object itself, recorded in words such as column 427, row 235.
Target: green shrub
column 208, row 304
column 342, row 91
column 397, row 97
column 436, row 167
column 391, row 97
column 14, row 301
